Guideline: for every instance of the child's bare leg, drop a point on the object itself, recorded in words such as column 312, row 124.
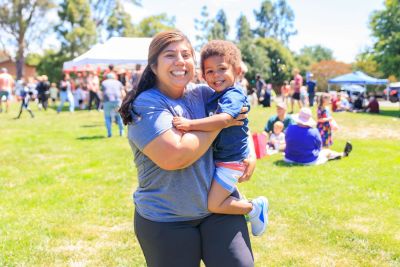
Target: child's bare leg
column 220, row 201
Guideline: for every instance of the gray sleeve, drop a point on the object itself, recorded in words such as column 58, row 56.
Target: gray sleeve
column 154, row 118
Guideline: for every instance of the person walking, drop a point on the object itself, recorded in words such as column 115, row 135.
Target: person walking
column 93, row 85
column 6, row 86
column 112, row 90
column 175, row 169
column 25, row 95
column 43, row 92
column 312, row 87
column 66, row 94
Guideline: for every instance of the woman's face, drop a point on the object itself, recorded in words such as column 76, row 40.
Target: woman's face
column 174, row 69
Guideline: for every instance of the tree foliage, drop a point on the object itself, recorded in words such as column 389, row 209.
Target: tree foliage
column 119, row 23
column 327, row 69
column 256, row 60
column 366, row 62
column 311, row 54
column 281, row 59
column 243, row 29
column 51, row 64
column 150, row 26
column 20, row 25
column 219, row 27
column 385, row 25
column 77, row 30
column 275, row 19
column 203, row 27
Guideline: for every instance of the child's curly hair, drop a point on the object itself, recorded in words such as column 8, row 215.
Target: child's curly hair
column 223, row 48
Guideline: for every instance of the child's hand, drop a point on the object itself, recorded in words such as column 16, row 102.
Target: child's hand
column 181, row 123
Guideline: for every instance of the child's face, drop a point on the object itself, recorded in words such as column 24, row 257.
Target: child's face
column 277, row 129
column 219, row 74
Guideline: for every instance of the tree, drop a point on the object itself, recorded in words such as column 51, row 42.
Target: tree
column 101, row 14
column 256, row 60
column 220, row 27
column 120, row 22
column 20, row 22
column 202, row 26
column 327, row 69
column 275, row 20
column 51, row 64
column 281, row 59
column 243, row 29
column 385, row 25
column 76, row 30
column 311, row 54
column 150, row 26
column 366, row 62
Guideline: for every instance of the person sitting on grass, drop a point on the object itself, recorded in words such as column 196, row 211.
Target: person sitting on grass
column 220, row 64
column 276, row 141
column 304, row 144
column 281, row 115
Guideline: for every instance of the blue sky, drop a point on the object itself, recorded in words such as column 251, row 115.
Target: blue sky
column 341, row 25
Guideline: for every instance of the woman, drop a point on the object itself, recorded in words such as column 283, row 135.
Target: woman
column 304, row 144
column 175, row 169
column 66, row 94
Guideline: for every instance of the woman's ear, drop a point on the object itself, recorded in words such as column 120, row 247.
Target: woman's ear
column 153, row 68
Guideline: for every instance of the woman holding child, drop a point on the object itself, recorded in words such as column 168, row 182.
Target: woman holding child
column 175, row 168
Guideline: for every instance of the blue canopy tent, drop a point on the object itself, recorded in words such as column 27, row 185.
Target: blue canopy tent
column 357, row 77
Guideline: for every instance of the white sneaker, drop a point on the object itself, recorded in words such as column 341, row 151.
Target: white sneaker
column 258, row 217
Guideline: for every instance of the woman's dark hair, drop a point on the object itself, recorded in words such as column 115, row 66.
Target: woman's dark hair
column 148, row 79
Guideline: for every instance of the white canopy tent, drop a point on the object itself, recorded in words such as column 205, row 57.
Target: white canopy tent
column 123, row 52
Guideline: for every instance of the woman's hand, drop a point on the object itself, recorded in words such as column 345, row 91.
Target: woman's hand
column 250, row 163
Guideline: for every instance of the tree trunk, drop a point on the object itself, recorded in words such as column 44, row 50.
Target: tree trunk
column 20, row 60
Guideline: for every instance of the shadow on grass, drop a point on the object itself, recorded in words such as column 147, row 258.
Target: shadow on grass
column 91, row 125
column 385, row 112
column 88, row 138
column 65, row 108
column 282, row 163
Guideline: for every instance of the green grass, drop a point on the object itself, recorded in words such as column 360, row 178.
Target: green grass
column 65, row 195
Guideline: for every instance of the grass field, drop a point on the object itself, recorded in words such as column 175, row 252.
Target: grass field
column 65, row 195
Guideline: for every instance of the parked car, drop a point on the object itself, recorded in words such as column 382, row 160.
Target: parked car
column 393, row 92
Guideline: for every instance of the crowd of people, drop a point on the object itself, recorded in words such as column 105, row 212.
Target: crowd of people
column 359, row 103
column 300, row 138
column 85, row 90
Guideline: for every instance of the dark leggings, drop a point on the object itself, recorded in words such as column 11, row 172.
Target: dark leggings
column 218, row 240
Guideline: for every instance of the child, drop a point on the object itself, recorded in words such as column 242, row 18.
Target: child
column 26, row 95
column 53, row 93
column 220, row 64
column 276, row 140
column 324, row 120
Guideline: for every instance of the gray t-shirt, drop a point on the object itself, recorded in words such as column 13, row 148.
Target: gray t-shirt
column 112, row 90
column 167, row 196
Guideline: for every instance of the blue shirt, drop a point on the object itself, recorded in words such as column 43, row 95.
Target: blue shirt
column 311, row 86
column 303, row 144
column 161, row 195
column 232, row 143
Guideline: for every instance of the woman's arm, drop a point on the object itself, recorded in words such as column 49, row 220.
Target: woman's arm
column 174, row 150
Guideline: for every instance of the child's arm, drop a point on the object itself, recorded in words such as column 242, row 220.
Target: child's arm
column 208, row 124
